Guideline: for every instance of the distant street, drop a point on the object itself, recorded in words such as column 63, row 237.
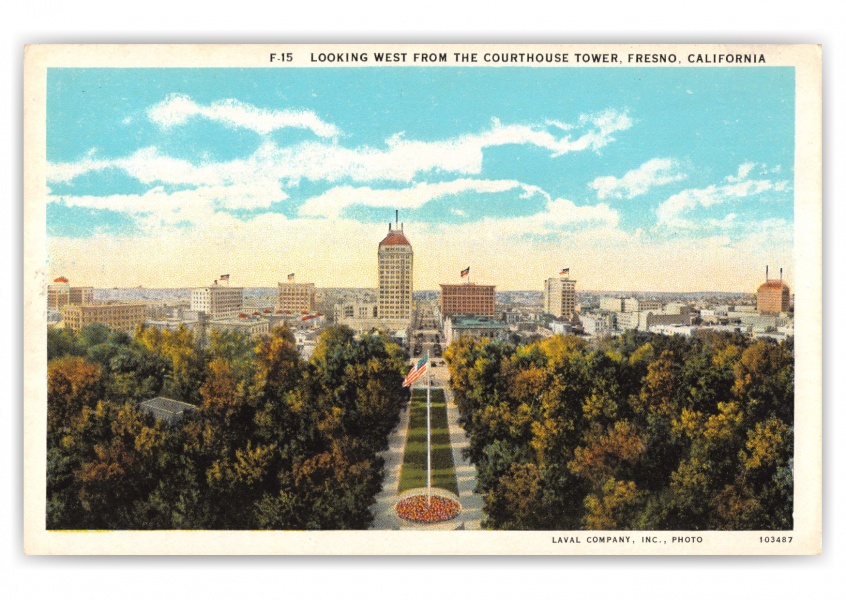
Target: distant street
column 427, row 337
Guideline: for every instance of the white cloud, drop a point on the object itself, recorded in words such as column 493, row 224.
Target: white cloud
column 743, row 172
column 332, row 202
column 401, row 159
column 156, row 206
column 177, row 109
column 559, row 214
column 671, row 210
column 735, row 187
column 655, row 172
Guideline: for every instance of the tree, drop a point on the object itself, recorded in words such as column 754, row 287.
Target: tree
column 62, row 342
column 180, row 349
column 109, row 464
column 72, row 384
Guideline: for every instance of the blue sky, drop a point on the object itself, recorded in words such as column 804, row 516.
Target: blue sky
column 666, row 178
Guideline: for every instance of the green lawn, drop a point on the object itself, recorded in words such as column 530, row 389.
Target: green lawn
column 413, row 472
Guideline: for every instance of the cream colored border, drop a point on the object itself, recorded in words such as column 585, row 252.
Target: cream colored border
column 807, row 535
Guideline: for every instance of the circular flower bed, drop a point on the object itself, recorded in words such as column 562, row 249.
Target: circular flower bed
column 419, row 510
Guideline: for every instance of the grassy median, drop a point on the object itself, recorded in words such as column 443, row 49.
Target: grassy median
column 413, row 472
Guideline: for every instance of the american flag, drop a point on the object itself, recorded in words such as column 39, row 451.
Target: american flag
column 224, row 277
column 565, row 271
column 290, row 277
column 416, row 371
column 465, row 272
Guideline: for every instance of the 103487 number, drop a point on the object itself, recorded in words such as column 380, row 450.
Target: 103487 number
column 776, row 539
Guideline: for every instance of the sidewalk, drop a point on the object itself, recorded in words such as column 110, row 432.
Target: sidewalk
column 384, row 516
column 465, row 471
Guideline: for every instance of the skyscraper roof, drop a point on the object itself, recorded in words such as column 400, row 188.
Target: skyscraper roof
column 395, row 237
column 773, row 284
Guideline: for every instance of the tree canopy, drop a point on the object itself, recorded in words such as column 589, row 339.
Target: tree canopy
column 635, row 432
column 275, row 442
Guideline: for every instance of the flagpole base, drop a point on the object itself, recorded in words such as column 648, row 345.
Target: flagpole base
column 414, row 506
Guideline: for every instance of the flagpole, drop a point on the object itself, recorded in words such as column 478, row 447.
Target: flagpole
column 428, row 431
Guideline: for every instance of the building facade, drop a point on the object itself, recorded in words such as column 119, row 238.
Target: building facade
column 599, row 323
column 773, row 298
column 474, row 327
column 218, row 301
column 120, row 316
column 467, row 299
column 62, row 294
column 559, row 297
column 356, row 310
column 251, row 325
column 296, row 297
column 396, row 269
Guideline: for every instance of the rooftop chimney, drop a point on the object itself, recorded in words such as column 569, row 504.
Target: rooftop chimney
column 779, row 274
column 768, row 273
column 396, row 216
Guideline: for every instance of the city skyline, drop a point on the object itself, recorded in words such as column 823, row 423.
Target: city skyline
column 640, row 179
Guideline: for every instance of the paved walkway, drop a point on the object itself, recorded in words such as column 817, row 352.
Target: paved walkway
column 465, row 471
column 384, row 516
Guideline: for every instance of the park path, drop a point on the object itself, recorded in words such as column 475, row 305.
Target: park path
column 384, row 516
column 465, row 471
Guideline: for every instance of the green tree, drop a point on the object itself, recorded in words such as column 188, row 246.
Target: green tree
column 72, row 384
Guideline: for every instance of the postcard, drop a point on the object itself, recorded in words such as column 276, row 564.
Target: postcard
column 423, row 299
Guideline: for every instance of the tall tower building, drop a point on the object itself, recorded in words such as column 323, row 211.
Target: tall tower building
column 559, row 297
column 396, row 268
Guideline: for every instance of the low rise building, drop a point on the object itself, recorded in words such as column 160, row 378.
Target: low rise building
column 611, row 304
column 559, row 328
column 644, row 320
column 356, row 310
column 167, row 410
column 477, row 327
column 119, row 316
column 305, row 341
column 599, row 323
column 173, row 324
column 249, row 324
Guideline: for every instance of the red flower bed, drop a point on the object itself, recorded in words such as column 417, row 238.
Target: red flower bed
column 418, row 509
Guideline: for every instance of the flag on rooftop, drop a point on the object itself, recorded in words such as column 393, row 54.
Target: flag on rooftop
column 565, row 271
column 465, row 272
column 224, row 277
column 290, row 277
column 416, row 371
